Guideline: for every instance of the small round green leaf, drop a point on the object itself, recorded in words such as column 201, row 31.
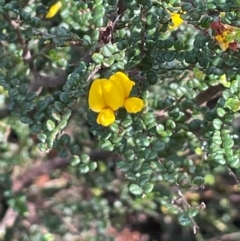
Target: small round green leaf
column 148, row 187
column 217, row 124
column 184, row 219
column 107, row 145
column 192, row 212
column 62, row 152
column 74, row 160
column 97, row 58
column 143, row 179
column 85, row 158
column 83, row 168
column 50, row 125
column 65, row 139
column 152, row 77
column 135, row 189
column 198, row 181
column 42, row 137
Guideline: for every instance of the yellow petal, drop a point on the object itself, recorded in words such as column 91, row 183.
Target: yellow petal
column 176, row 19
column 106, row 117
column 53, row 10
column 95, row 98
column 123, row 83
column 133, row 104
column 112, row 97
column 222, row 42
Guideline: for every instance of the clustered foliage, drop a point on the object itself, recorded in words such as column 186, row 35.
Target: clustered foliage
column 187, row 74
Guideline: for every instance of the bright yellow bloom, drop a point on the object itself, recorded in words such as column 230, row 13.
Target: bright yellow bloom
column 176, row 19
column 222, row 41
column 53, row 10
column 226, row 35
column 103, row 94
column 133, row 104
column 107, row 95
column 124, row 85
column 225, row 39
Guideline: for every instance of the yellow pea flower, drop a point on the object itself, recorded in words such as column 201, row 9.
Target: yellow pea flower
column 53, row 10
column 103, row 94
column 176, row 19
column 225, row 35
column 226, row 40
column 104, row 98
column 124, row 84
column 222, row 40
column 108, row 95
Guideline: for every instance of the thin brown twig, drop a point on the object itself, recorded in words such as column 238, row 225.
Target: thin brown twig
column 42, row 52
column 187, row 206
column 48, row 81
column 98, row 67
column 27, row 178
column 4, row 112
column 231, row 173
column 208, row 94
column 60, row 215
column 226, row 237
column 143, row 37
column 21, row 41
column 16, row 28
column 7, row 221
column 115, row 21
column 180, row 194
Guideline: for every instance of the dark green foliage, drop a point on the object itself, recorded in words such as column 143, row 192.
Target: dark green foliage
column 154, row 162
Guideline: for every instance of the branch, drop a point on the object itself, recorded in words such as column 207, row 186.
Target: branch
column 186, row 206
column 48, row 81
column 7, row 221
column 226, row 237
column 28, row 177
column 69, row 225
column 15, row 27
column 208, row 94
column 231, row 173
column 4, row 112
column 98, row 67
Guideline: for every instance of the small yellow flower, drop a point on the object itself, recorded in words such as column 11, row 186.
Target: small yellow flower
column 176, row 19
column 108, row 95
column 225, row 35
column 103, row 93
column 222, row 41
column 104, row 98
column 53, row 10
column 225, row 39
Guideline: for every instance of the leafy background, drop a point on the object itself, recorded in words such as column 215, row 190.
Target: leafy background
column 163, row 174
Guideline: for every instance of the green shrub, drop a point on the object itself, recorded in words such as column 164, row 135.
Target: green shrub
column 183, row 59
